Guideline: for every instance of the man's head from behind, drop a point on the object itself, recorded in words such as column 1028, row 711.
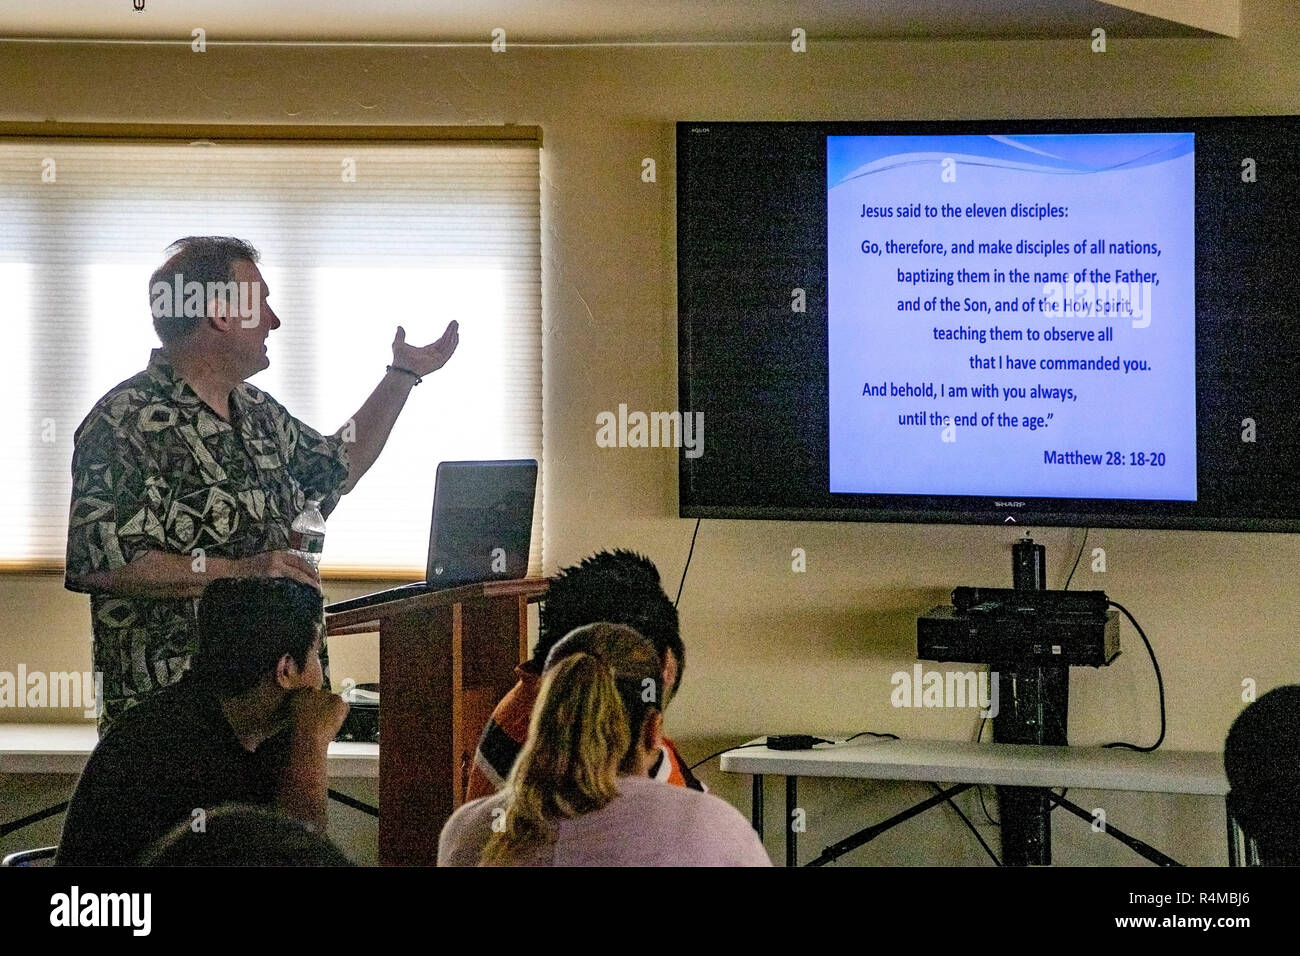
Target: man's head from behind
column 618, row 587
column 1262, row 759
column 209, row 295
column 258, row 632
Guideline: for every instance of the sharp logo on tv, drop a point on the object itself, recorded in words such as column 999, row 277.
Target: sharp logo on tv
column 1047, row 307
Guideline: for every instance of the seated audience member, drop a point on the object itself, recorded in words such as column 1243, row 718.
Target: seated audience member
column 580, row 792
column 236, row 835
column 248, row 723
column 620, row 587
column 1262, row 759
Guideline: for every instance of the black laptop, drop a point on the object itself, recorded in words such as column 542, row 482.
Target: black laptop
column 481, row 528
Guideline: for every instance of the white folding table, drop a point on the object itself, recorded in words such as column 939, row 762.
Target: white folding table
column 65, row 748
column 969, row 764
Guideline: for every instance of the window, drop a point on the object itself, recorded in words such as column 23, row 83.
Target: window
column 356, row 238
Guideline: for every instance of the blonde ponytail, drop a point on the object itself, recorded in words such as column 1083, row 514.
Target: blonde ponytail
column 580, row 737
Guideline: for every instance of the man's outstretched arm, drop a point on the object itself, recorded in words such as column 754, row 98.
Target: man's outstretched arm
column 158, row 574
column 374, row 420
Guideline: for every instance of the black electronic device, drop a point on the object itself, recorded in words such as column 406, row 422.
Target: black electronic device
column 361, row 725
column 831, row 321
column 1036, row 708
column 1010, row 625
column 794, row 741
column 480, row 530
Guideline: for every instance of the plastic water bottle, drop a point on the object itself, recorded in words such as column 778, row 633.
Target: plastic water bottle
column 307, row 534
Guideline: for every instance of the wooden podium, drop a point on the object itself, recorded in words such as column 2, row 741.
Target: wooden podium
column 445, row 659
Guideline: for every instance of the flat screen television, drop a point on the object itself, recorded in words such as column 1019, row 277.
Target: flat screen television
column 1042, row 322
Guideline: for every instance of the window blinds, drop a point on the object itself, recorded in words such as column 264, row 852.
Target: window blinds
column 356, row 238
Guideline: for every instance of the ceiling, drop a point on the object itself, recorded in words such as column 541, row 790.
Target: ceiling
column 609, row 21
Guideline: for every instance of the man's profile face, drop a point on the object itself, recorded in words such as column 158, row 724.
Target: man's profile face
column 313, row 675
column 246, row 334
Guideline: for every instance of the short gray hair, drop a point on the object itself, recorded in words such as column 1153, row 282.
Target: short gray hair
column 202, row 259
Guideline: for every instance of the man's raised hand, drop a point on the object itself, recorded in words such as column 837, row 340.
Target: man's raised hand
column 430, row 358
column 317, row 714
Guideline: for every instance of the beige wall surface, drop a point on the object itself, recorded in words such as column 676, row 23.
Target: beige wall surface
column 769, row 650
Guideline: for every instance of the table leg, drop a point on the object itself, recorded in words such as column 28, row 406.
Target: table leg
column 37, row 817
column 791, row 835
column 1233, row 858
column 756, row 805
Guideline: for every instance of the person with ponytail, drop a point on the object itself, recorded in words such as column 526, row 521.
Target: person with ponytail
column 579, row 794
column 618, row 587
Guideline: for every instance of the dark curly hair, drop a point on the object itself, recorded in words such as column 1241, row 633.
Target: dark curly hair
column 621, row 587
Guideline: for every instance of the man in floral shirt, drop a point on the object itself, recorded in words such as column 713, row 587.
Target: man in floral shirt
column 185, row 473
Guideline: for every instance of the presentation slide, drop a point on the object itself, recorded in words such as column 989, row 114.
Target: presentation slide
column 1012, row 316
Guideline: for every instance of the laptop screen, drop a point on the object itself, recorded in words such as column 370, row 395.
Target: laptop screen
column 482, row 521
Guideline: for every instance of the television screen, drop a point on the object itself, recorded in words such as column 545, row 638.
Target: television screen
column 1032, row 322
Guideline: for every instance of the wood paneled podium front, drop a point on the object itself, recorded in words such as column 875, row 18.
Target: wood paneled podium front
column 445, row 659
